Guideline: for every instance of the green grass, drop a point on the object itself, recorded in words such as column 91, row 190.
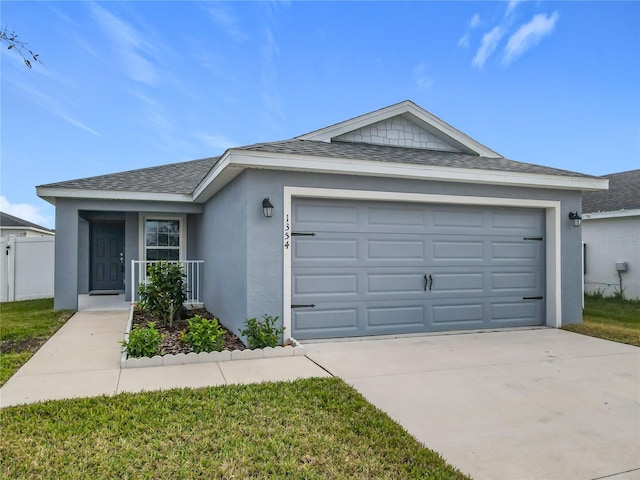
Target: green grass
column 610, row 318
column 311, row 429
column 24, row 327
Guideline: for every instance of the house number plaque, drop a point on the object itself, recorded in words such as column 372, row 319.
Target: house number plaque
column 287, row 235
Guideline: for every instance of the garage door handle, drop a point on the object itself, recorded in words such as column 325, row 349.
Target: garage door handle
column 430, row 282
column 426, row 282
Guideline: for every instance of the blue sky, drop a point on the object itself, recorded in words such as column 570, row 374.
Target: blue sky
column 126, row 85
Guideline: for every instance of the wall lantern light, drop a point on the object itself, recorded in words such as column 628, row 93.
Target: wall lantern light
column 267, row 208
column 575, row 218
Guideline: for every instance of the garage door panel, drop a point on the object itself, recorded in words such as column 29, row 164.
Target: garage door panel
column 390, row 318
column 507, row 312
column 393, row 249
column 523, row 282
column 365, row 267
column 460, row 217
column 516, row 222
column 444, row 284
column 326, row 285
column 452, row 316
column 516, row 251
column 321, row 250
column 401, row 216
column 324, row 323
column 326, row 214
column 448, row 250
column 394, row 283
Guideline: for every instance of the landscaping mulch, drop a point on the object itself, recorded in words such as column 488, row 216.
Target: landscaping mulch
column 171, row 343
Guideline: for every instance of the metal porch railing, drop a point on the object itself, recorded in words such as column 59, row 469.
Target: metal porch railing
column 192, row 280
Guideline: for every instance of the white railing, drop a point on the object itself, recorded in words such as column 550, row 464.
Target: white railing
column 191, row 269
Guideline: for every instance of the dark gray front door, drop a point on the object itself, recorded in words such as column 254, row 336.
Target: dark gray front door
column 375, row 268
column 107, row 256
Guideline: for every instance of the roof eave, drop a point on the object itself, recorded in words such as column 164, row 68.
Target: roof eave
column 51, row 193
column 634, row 212
column 235, row 161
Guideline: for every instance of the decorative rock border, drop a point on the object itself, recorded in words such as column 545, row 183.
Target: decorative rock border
column 295, row 350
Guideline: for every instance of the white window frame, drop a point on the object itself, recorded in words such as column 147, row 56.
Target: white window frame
column 142, row 234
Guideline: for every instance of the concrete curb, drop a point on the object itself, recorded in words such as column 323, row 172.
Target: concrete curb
column 294, row 350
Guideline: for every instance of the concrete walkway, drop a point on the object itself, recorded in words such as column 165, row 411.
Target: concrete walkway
column 83, row 359
column 523, row 404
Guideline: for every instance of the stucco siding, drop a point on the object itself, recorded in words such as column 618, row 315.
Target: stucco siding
column 607, row 241
column 222, row 244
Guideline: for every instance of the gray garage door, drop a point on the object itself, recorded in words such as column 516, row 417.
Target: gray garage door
column 373, row 268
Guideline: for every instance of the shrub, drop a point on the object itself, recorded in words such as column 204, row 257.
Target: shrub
column 143, row 341
column 203, row 335
column 163, row 294
column 262, row 334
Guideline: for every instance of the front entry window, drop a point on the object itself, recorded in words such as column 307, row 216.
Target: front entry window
column 162, row 239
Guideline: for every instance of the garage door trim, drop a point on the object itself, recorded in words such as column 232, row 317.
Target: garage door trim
column 552, row 209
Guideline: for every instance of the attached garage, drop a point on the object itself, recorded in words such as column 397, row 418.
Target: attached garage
column 373, row 268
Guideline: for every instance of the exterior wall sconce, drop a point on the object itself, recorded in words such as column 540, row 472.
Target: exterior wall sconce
column 267, row 208
column 576, row 218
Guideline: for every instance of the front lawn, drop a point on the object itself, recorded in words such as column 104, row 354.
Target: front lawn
column 25, row 326
column 610, row 318
column 313, row 428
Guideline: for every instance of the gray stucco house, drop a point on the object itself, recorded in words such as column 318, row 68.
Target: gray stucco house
column 390, row 222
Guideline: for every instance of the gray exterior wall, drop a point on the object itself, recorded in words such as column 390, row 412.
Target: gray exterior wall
column 243, row 250
column 222, row 244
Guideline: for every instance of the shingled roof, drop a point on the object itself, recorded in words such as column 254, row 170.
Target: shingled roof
column 7, row 220
column 393, row 154
column 623, row 194
column 181, row 178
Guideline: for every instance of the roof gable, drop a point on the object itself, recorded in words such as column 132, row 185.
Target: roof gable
column 402, row 119
column 400, row 132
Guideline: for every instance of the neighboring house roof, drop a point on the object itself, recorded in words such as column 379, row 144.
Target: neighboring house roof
column 399, row 141
column 9, row 222
column 623, row 194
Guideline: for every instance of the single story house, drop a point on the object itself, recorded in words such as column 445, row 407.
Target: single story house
column 388, row 223
column 10, row 225
column 611, row 237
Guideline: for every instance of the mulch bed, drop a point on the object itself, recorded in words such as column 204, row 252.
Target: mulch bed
column 26, row 345
column 171, row 343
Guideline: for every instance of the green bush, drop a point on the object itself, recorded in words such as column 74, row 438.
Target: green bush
column 143, row 341
column 203, row 335
column 164, row 293
column 262, row 334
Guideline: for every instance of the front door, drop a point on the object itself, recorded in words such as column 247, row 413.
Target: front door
column 107, row 256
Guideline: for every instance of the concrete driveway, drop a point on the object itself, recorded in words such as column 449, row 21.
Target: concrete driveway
column 538, row 404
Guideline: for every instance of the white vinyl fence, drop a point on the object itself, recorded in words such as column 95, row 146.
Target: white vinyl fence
column 26, row 268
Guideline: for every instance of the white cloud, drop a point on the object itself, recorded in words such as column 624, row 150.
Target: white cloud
column 26, row 212
column 529, row 35
column 55, row 106
column 473, row 23
column 423, row 81
column 511, row 6
column 130, row 45
column 488, row 46
column 226, row 22
column 216, row 142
